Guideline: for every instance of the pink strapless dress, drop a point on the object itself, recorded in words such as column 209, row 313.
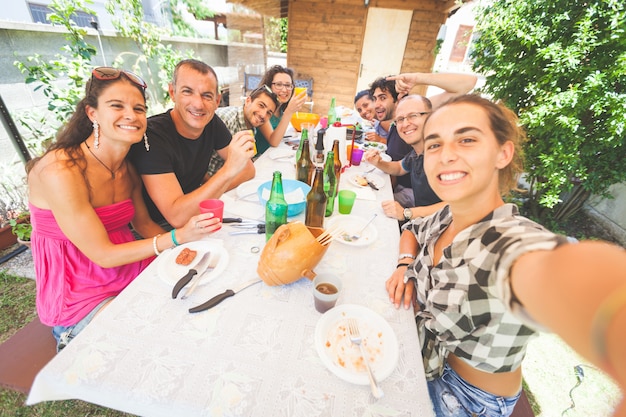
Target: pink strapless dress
column 70, row 285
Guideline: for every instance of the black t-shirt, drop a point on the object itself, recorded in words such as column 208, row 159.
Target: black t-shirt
column 397, row 149
column 170, row 152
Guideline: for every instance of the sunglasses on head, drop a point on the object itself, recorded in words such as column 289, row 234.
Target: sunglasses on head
column 264, row 89
column 110, row 73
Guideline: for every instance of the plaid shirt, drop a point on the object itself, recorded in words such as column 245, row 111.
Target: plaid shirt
column 466, row 304
column 235, row 122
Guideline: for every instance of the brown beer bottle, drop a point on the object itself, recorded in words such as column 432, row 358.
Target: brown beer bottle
column 304, row 165
column 337, row 163
column 316, row 201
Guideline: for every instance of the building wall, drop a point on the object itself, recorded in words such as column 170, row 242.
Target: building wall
column 21, row 40
column 326, row 45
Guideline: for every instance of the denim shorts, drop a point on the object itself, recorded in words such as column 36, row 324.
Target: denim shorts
column 65, row 334
column 452, row 396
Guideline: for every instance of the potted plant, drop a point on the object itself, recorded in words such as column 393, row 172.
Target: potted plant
column 21, row 227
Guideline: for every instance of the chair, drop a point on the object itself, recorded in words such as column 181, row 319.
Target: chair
column 250, row 82
column 252, row 76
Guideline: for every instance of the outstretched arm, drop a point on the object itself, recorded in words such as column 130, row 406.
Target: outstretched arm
column 579, row 292
column 453, row 84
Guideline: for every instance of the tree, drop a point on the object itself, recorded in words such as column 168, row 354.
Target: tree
column 561, row 65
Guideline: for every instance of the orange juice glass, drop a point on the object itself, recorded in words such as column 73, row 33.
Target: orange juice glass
column 298, row 90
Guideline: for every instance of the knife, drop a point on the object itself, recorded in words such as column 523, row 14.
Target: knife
column 232, row 219
column 221, row 297
column 198, row 269
column 371, row 184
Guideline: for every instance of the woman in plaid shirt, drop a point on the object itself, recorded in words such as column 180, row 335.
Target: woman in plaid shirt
column 484, row 279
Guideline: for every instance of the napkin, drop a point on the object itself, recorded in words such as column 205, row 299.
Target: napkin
column 365, row 194
column 243, row 208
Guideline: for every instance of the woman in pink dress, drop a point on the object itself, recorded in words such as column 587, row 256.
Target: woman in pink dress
column 83, row 195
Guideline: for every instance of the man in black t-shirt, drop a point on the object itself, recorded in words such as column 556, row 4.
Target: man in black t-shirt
column 181, row 142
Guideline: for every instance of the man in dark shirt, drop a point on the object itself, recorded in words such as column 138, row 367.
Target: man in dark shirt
column 410, row 114
column 181, row 142
column 385, row 100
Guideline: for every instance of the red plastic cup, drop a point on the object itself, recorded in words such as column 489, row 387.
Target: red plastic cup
column 214, row 206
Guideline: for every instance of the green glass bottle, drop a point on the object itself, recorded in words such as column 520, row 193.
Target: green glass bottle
column 303, row 136
column 330, row 183
column 332, row 113
column 276, row 207
column 316, row 201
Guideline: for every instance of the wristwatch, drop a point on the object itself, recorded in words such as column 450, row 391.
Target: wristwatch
column 407, row 214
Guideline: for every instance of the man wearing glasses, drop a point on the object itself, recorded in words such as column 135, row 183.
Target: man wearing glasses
column 410, row 113
column 257, row 109
column 174, row 171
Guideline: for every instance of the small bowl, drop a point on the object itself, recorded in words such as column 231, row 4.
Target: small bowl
column 299, row 117
column 289, row 186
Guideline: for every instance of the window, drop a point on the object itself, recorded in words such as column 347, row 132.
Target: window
column 40, row 13
column 461, row 43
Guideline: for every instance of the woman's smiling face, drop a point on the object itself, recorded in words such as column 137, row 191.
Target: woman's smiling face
column 279, row 83
column 462, row 157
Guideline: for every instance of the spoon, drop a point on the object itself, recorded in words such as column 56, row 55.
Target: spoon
column 357, row 236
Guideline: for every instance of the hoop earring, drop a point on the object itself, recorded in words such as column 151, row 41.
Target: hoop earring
column 145, row 142
column 96, row 134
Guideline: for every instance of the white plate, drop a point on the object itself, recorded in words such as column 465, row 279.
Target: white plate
column 367, row 145
column 352, row 224
column 247, row 190
column 375, row 179
column 171, row 272
column 343, row 358
column 385, row 157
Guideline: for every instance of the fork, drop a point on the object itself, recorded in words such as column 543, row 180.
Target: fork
column 355, row 337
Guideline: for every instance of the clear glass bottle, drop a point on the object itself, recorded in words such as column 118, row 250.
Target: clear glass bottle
column 319, row 147
column 316, row 201
column 276, row 207
column 330, row 183
column 304, row 165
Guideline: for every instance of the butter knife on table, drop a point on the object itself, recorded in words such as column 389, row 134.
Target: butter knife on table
column 221, row 297
column 199, row 269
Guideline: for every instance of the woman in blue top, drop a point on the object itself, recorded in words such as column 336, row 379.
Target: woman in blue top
column 280, row 80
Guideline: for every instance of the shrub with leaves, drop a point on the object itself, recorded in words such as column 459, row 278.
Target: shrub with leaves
column 561, row 65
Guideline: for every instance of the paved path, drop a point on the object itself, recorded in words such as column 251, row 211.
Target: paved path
column 20, row 265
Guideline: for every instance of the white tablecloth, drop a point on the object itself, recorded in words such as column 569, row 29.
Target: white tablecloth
column 252, row 355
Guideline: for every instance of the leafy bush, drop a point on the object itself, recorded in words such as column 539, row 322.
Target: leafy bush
column 561, row 65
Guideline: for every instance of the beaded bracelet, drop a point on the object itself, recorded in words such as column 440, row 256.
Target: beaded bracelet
column 154, row 245
column 401, row 264
column 173, row 234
